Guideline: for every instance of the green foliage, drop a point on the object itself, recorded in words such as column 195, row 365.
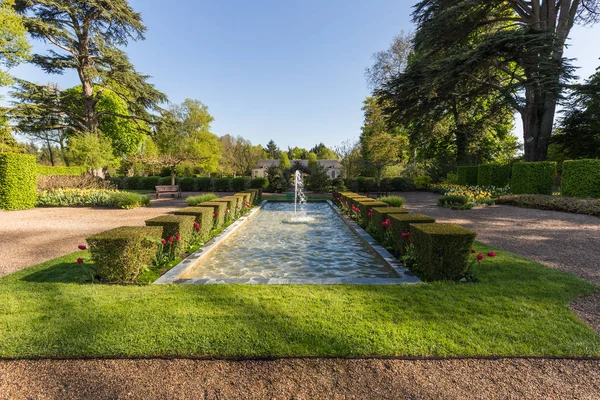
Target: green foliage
column 454, row 201
column 380, row 214
column 17, row 181
column 148, row 182
column 366, row 205
column 91, row 198
column 402, row 184
column 222, row 184
column 312, row 160
column 259, row 183
column 442, row 250
column 533, row 177
column 278, row 180
column 203, row 198
column 203, row 216
column 85, row 181
column 554, row 203
column 91, row 151
column 14, row 47
column 205, row 184
column 467, row 175
column 318, row 181
column 171, row 226
column 400, row 223
column 45, row 170
column 218, row 211
column 394, row 201
column 121, row 254
column 239, row 184
column 131, row 182
column 284, row 161
column 166, row 181
column 187, row 184
column 581, row 178
column 423, row 182
column 497, row 175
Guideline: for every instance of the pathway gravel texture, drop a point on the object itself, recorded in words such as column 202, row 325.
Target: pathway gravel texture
column 565, row 241
column 301, row 379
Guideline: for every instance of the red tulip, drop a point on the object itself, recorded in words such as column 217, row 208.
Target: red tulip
column 479, row 257
column 473, row 251
column 79, row 261
column 170, row 239
column 197, row 229
column 217, row 213
column 178, row 237
column 196, row 224
column 163, row 241
column 82, row 247
column 405, row 235
column 227, row 211
column 491, row 254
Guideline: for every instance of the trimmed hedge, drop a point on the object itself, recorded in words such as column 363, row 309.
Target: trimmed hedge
column 497, row 175
column 218, row 211
column 239, row 184
column 365, row 206
column 148, row 182
column 204, row 184
column 467, row 175
column 187, row 184
column 533, row 177
column 175, row 224
column 202, row 215
column 441, row 250
column 46, row 170
column 247, row 197
column 166, row 181
column 400, row 223
column 230, row 202
column 18, row 181
column 222, row 184
column 394, row 201
column 259, row 183
column 203, row 198
column 402, row 185
column 581, row 178
column 554, row 203
column 120, row 254
column 380, row 214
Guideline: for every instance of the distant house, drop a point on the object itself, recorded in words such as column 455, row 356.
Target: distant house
column 333, row 167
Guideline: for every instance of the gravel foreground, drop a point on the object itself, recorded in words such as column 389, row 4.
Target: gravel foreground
column 301, row 379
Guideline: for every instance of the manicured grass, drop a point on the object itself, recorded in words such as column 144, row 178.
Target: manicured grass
column 517, row 308
column 140, row 191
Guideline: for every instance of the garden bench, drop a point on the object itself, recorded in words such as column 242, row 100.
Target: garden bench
column 168, row 189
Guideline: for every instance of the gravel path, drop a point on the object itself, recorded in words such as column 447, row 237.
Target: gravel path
column 30, row 237
column 301, row 379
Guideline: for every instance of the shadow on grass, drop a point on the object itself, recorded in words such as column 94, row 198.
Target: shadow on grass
column 65, row 272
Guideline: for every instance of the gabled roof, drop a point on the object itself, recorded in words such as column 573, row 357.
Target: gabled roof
column 325, row 163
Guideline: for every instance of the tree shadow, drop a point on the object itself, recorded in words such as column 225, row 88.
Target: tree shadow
column 65, row 272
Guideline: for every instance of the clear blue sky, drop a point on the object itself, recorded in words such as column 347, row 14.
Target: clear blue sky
column 282, row 70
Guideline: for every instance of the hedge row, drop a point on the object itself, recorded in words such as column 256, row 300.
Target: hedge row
column 440, row 251
column 467, row 175
column 497, row 175
column 120, row 255
column 581, row 178
column 191, row 184
column 45, row 170
column 18, row 185
column 533, row 177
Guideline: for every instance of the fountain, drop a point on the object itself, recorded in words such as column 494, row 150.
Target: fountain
column 299, row 198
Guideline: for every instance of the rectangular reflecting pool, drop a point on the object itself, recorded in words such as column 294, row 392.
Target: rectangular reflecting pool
column 268, row 246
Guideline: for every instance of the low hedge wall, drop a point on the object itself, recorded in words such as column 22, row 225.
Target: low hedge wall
column 497, row 175
column 442, row 250
column 218, row 211
column 120, row 254
column 18, row 181
column 581, row 178
column 203, row 216
column 259, row 183
column 533, row 177
column 171, row 226
column 380, row 214
column 555, row 203
column 400, row 223
column 222, row 184
column 240, row 184
column 365, row 206
column 230, row 205
column 467, row 175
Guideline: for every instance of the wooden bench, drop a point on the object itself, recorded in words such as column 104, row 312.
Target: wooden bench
column 168, row 189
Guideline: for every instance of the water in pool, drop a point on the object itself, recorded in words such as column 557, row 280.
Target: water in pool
column 266, row 246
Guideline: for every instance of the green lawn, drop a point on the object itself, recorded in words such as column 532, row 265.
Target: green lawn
column 518, row 308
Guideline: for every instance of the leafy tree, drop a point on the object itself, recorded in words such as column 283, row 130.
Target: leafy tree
column 350, row 156
column 91, row 150
column 184, row 135
column 391, row 62
column 323, row 152
column 297, row 153
column 14, row 47
column 279, row 180
column 312, row 160
column 579, row 130
column 510, row 48
column 318, row 181
column 86, row 37
column 273, row 152
column 284, row 161
column 239, row 155
column 382, row 150
column 8, row 144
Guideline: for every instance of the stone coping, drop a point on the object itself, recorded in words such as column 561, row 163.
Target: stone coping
column 176, row 274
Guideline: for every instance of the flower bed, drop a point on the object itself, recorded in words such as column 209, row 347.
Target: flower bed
column 472, row 195
column 91, row 198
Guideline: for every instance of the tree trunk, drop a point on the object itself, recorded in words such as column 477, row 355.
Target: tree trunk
column 462, row 141
column 51, row 154
column 538, row 119
column 173, row 175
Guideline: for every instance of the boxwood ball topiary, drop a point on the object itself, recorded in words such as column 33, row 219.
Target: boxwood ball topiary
column 18, row 181
column 581, row 178
column 120, row 254
column 533, row 177
column 441, row 250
